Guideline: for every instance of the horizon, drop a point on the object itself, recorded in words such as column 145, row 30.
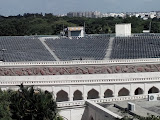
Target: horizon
column 56, row 7
column 76, row 11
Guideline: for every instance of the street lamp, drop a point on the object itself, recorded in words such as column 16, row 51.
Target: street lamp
column 3, row 54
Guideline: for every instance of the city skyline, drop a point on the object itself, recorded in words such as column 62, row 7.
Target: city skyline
column 16, row 7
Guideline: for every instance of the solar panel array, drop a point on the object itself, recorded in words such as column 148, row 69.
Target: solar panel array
column 23, row 49
column 136, row 47
column 87, row 48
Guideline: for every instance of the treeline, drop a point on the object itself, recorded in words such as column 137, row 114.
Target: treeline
column 48, row 24
column 27, row 104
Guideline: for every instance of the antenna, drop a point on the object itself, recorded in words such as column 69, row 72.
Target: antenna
column 150, row 25
column 84, row 28
column 63, row 29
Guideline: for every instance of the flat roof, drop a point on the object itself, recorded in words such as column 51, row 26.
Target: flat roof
column 142, row 107
column 75, row 28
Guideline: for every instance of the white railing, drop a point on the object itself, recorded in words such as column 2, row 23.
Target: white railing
column 45, row 81
column 83, row 62
column 112, row 99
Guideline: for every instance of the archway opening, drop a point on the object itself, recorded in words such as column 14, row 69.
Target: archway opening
column 138, row 91
column 93, row 94
column 153, row 90
column 77, row 95
column 108, row 93
column 91, row 118
column 123, row 92
column 62, row 96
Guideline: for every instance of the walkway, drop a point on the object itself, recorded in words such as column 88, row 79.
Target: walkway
column 109, row 50
column 52, row 53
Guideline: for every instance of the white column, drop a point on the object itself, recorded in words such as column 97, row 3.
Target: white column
column 131, row 90
column 115, row 94
column 53, row 93
column 145, row 89
column 101, row 94
column 84, row 92
column 70, row 94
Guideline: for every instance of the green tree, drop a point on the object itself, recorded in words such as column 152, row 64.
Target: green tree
column 5, row 113
column 30, row 104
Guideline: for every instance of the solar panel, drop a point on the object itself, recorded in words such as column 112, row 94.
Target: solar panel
column 23, row 49
column 87, row 48
column 136, row 47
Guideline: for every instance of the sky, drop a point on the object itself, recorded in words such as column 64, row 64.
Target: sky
column 15, row 7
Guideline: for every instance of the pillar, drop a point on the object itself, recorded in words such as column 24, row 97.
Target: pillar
column 53, row 93
column 115, row 94
column 131, row 90
column 101, row 93
column 84, row 92
column 70, row 94
column 145, row 89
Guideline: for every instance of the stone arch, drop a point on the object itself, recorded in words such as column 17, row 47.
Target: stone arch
column 138, row 91
column 108, row 93
column 62, row 96
column 153, row 90
column 77, row 95
column 123, row 92
column 91, row 118
column 93, row 94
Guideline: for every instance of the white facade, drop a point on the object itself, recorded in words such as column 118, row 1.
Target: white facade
column 79, row 31
column 123, row 30
column 133, row 85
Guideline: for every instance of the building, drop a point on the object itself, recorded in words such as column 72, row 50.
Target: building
column 123, row 30
column 87, row 14
column 75, row 32
column 158, row 14
column 106, row 69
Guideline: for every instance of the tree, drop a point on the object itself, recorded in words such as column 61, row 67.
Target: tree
column 30, row 104
column 5, row 113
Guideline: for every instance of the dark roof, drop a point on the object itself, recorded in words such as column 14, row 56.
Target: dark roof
column 136, row 47
column 87, row 48
column 23, row 49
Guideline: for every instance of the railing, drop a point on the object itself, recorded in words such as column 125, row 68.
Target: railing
column 112, row 99
column 31, row 80
column 70, row 104
column 83, row 62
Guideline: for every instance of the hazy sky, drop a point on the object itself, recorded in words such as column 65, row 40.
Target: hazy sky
column 14, row 7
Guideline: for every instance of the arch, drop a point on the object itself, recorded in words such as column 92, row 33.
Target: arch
column 93, row 94
column 62, row 96
column 108, row 93
column 77, row 95
column 91, row 118
column 153, row 90
column 123, row 92
column 138, row 91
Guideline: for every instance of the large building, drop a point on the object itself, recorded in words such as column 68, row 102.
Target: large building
column 123, row 30
column 76, row 32
column 91, row 14
column 81, row 72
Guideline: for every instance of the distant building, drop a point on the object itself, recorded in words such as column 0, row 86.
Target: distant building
column 158, row 14
column 123, row 30
column 75, row 31
column 94, row 14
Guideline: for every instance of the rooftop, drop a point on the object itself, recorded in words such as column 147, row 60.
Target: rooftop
column 100, row 47
column 143, row 107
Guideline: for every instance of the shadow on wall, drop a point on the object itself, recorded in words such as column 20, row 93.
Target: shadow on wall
column 85, row 115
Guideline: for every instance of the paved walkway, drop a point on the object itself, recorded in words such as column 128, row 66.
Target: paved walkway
column 52, row 53
column 109, row 50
